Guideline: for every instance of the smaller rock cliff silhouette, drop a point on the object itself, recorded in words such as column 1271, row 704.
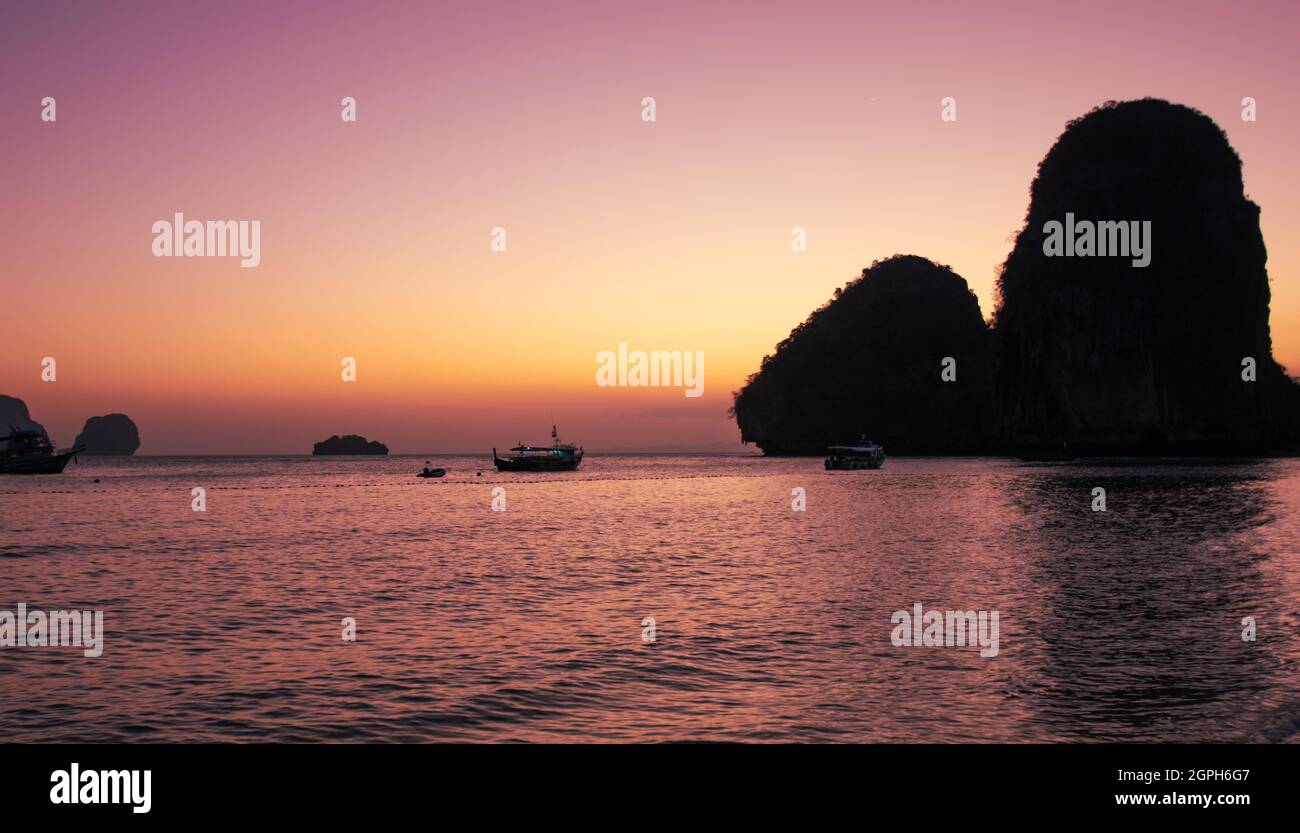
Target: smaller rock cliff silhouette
column 900, row 354
column 111, row 434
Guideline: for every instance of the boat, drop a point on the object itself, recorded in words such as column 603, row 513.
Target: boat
column 556, row 457
column 431, row 472
column 28, row 451
column 863, row 454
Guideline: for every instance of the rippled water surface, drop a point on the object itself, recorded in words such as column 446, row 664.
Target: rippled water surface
column 771, row 624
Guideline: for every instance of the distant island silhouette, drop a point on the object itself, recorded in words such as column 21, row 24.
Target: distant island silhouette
column 1083, row 352
column 112, row 434
column 349, row 444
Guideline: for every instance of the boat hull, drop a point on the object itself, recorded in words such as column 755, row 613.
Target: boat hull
column 846, row 465
column 540, row 464
column 53, row 464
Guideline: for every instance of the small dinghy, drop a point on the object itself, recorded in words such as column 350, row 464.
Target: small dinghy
column 431, row 472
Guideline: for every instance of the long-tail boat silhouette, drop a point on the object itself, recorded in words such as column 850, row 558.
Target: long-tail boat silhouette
column 27, row 451
column 558, row 457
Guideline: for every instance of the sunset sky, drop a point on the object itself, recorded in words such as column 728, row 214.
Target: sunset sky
column 666, row 235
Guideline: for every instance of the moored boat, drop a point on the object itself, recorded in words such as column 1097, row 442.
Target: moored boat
column 557, row 457
column 863, row 454
column 27, row 451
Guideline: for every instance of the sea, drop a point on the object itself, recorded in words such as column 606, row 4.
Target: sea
column 655, row 598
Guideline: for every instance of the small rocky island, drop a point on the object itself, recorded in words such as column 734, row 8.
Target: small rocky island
column 349, row 444
column 111, row 434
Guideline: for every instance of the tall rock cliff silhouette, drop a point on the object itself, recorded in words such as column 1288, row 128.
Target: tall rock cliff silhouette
column 1109, row 358
column 13, row 412
column 870, row 361
column 111, row 434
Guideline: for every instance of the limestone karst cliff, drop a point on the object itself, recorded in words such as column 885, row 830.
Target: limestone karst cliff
column 871, row 361
column 1114, row 358
column 1132, row 318
column 13, row 413
column 111, row 434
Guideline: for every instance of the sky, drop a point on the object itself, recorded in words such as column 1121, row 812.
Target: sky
column 376, row 235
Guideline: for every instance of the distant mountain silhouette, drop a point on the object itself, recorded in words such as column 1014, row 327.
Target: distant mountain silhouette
column 13, row 412
column 350, row 444
column 1116, row 359
column 112, row 434
column 869, row 360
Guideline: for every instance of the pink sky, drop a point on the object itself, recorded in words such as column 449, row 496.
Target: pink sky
column 671, row 235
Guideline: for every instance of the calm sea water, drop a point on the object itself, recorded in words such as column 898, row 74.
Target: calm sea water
column 770, row 624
